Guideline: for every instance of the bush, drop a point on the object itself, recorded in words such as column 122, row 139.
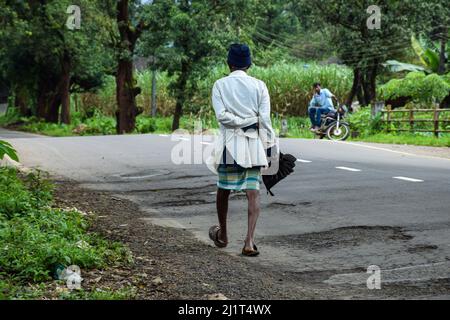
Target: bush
column 35, row 237
column 364, row 123
column 100, row 124
column 145, row 124
column 19, row 197
column 52, row 129
column 12, row 116
column 420, row 87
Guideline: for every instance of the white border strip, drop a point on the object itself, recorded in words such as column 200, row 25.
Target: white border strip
column 348, row 169
column 389, row 150
column 408, row 179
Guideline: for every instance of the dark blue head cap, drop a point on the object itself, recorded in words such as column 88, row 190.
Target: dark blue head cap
column 239, row 56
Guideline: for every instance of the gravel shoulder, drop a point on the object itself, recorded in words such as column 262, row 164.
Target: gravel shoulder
column 172, row 264
column 169, row 263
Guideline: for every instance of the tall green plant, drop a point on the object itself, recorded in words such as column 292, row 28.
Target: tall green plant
column 7, row 149
column 418, row 86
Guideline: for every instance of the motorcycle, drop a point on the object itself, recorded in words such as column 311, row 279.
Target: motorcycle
column 333, row 125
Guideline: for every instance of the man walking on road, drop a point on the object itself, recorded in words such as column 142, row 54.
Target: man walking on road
column 242, row 107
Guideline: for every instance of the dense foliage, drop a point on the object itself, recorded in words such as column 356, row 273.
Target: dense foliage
column 35, row 237
column 55, row 73
column 421, row 88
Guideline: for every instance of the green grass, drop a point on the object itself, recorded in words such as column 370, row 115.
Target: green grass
column 370, row 130
column 35, row 237
column 289, row 85
column 408, row 139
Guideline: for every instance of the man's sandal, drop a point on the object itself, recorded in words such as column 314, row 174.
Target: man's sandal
column 250, row 253
column 214, row 236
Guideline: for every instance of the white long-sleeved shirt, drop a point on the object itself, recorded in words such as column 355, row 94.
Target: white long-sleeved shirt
column 239, row 101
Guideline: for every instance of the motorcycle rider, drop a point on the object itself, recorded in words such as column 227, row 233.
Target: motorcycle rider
column 320, row 104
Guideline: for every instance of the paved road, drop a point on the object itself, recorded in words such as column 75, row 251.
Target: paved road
column 347, row 207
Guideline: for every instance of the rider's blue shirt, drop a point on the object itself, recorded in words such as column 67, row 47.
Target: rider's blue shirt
column 322, row 100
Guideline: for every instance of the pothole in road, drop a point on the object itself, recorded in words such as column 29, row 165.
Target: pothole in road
column 181, row 203
column 276, row 205
column 340, row 237
column 422, row 248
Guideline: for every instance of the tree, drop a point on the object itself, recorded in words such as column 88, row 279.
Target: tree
column 45, row 58
column 439, row 20
column 364, row 48
column 126, row 89
column 197, row 35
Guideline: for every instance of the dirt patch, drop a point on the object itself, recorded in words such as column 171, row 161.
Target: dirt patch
column 169, row 263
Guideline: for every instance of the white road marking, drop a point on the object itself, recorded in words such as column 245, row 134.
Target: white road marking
column 182, row 139
column 164, row 135
column 348, row 169
column 303, row 161
column 206, row 143
column 386, row 149
column 408, row 179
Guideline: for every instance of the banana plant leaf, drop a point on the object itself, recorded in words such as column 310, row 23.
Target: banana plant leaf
column 428, row 57
column 7, row 149
column 397, row 66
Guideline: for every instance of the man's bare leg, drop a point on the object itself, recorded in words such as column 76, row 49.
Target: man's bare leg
column 222, row 212
column 253, row 215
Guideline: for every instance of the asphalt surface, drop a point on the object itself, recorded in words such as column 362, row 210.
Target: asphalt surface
column 347, row 207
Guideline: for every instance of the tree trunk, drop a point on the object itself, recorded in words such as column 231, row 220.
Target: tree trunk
column 360, row 95
column 126, row 98
column 65, row 90
column 181, row 91
column 373, row 81
column 53, row 108
column 366, row 91
column 48, row 99
column 21, row 102
column 369, row 83
column 42, row 97
column 52, row 92
column 177, row 115
column 355, row 86
column 125, row 89
column 442, row 58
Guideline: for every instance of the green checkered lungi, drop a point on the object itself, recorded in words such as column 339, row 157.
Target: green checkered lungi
column 238, row 178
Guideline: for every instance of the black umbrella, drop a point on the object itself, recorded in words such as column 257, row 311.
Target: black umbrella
column 285, row 168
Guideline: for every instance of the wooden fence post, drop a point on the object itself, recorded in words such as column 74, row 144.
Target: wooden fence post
column 436, row 121
column 411, row 119
column 388, row 120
